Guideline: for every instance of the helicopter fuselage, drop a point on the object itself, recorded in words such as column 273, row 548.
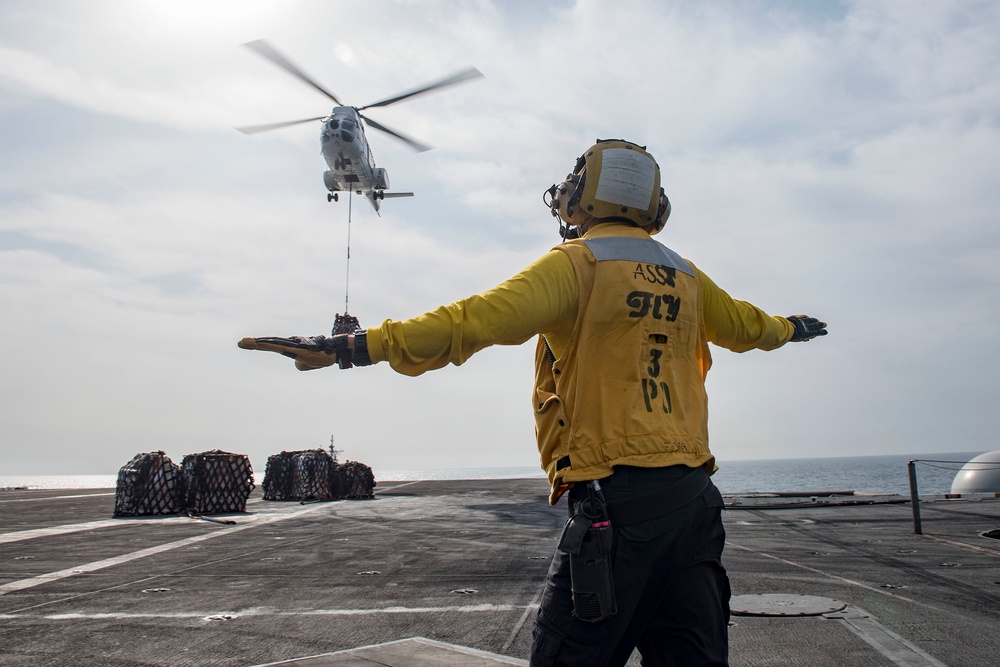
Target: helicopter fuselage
column 343, row 144
column 349, row 160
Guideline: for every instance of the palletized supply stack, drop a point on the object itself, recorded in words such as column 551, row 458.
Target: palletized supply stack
column 311, row 478
column 278, row 477
column 313, row 474
column 353, row 480
column 299, row 475
column 307, row 474
column 216, row 482
column 149, row 484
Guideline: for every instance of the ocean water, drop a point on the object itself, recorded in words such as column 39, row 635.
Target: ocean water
column 868, row 474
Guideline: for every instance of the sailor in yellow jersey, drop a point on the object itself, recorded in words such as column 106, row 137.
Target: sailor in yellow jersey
column 622, row 325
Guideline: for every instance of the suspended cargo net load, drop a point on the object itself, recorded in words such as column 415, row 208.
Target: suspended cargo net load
column 354, row 480
column 346, row 324
column 216, row 482
column 149, row 484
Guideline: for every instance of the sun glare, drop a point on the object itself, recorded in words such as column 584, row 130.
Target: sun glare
column 187, row 17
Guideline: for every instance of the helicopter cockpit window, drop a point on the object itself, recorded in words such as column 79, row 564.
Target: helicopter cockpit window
column 333, row 124
column 347, row 130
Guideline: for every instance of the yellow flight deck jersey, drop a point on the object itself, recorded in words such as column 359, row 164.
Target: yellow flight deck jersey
column 622, row 355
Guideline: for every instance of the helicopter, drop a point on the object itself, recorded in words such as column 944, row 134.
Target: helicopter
column 343, row 143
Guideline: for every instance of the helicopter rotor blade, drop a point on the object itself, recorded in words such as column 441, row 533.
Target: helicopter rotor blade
column 266, row 50
column 413, row 143
column 254, row 129
column 464, row 75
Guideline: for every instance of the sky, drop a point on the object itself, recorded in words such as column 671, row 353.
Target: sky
column 838, row 159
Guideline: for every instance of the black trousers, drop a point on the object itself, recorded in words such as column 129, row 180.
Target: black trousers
column 671, row 589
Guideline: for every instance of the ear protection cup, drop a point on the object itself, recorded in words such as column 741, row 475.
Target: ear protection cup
column 662, row 213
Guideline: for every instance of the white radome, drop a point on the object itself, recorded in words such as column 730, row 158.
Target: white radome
column 980, row 475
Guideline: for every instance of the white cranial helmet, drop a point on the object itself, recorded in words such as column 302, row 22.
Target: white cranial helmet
column 612, row 180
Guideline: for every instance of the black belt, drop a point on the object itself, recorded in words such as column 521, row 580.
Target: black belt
column 636, row 509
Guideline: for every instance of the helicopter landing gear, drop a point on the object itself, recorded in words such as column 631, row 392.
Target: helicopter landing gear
column 332, row 196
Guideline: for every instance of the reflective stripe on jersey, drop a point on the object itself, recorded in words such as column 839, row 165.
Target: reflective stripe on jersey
column 611, row 248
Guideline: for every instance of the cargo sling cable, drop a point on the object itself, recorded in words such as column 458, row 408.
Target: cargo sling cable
column 347, row 323
column 347, row 280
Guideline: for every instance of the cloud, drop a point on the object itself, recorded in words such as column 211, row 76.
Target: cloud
column 836, row 158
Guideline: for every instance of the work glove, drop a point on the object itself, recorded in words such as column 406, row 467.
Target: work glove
column 806, row 328
column 312, row 352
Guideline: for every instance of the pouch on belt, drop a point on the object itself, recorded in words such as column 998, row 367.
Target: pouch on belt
column 587, row 539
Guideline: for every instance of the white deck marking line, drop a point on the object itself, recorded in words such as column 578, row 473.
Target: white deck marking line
column 372, row 653
column 894, row 647
column 65, row 528
column 874, row 633
column 35, row 500
column 22, row 584
column 962, row 545
column 399, row 486
column 465, row 609
column 838, row 578
column 534, row 604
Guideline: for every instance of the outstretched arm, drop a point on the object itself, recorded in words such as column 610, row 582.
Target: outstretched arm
column 740, row 326
column 537, row 300
column 312, row 352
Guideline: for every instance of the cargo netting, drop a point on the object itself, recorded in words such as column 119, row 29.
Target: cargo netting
column 313, row 474
column 301, row 475
column 354, row 481
column 278, row 477
column 346, row 324
column 149, row 484
column 216, row 482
